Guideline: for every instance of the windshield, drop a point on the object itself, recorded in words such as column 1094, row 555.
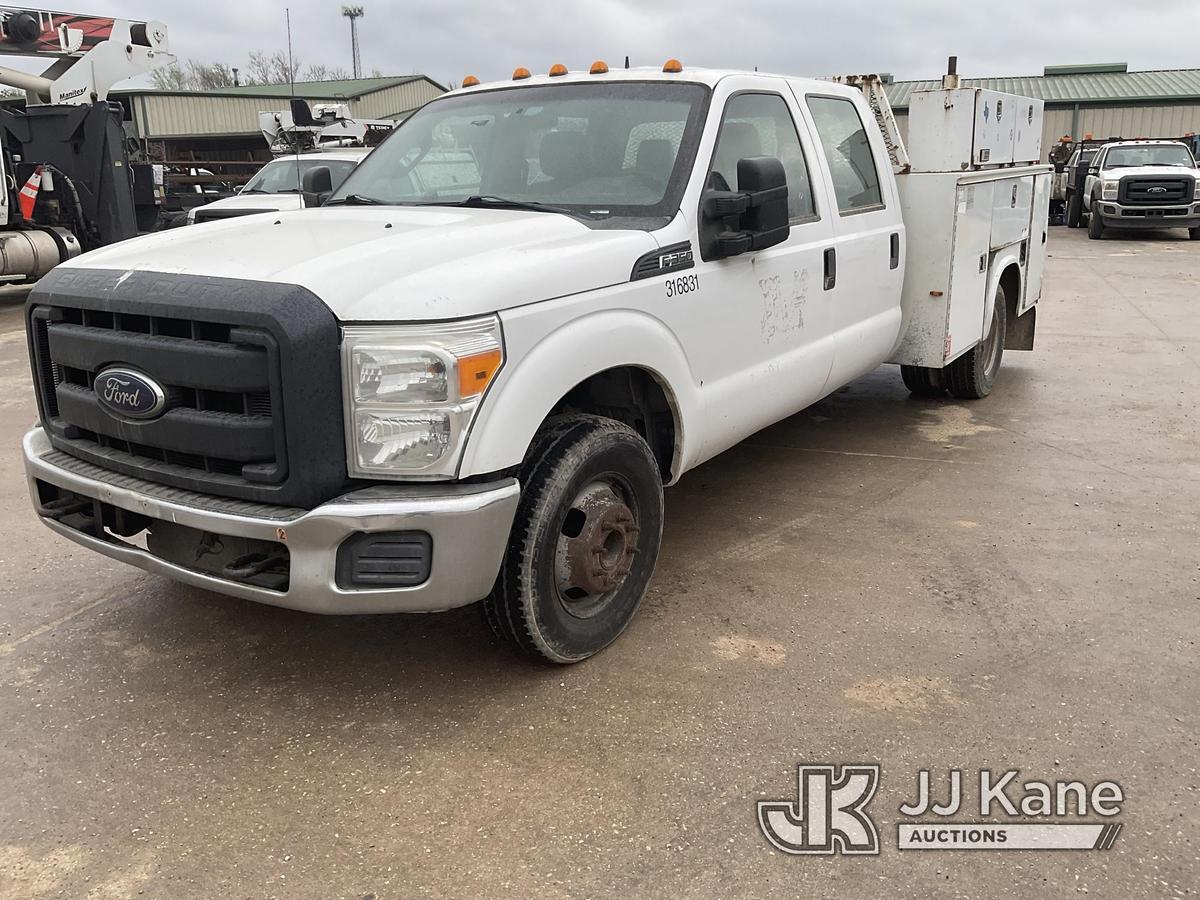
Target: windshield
column 1149, row 155
column 596, row 150
column 282, row 176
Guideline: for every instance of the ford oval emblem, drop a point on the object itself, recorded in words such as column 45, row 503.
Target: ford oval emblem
column 130, row 394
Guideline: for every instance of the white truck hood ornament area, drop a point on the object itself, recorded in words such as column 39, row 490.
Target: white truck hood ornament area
column 396, row 263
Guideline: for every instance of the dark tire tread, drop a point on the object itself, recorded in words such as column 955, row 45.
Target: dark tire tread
column 505, row 610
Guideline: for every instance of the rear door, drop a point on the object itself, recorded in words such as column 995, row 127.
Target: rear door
column 868, row 262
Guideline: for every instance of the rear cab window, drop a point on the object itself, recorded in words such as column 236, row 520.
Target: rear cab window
column 848, row 152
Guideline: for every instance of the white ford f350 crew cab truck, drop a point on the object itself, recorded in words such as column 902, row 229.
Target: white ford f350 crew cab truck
column 473, row 385
column 1142, row 184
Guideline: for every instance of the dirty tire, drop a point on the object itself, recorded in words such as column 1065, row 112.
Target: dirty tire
column 1074, row 209
column 1194, row 234
column 972, row 375
column 584, row 541
column 923, row 381
column 1095, row 226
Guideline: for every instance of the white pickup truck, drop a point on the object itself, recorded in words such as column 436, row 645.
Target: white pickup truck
column 1142, row 184
column 435, row 390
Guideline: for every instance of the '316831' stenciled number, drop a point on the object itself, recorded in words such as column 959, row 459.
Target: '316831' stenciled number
column 685, row 284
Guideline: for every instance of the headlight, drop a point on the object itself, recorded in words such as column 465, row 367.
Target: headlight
column 1196, row 189
column 1108, row 190
column 411, row 393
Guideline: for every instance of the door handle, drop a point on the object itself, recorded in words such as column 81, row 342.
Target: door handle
column 895, row 262
column 830, row 268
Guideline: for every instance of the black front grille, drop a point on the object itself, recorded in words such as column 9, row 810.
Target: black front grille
column 218, row 381
column 1175, row 189
column 250, row 372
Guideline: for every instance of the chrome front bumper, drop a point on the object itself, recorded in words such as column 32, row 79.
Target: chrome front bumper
column 469, row 525
column 1173, row 215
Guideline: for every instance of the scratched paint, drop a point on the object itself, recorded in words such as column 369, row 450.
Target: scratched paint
column 784, row 298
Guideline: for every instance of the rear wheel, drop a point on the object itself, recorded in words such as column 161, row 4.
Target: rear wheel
column 923, row 381
column 1095, row 224
column 584, row 542
column 1074, row 208
column 1194, row 234
column 972, row 375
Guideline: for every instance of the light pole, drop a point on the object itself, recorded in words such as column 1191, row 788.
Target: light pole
column 354, row 13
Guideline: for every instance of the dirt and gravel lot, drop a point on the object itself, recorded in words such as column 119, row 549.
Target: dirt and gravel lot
column 1012, row 583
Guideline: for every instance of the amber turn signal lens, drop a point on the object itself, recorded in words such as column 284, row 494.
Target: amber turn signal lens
column 599, row 67
column 470, row 81
column 520, row 73
column 673, row 66
column 557, row 69
column 475, row 373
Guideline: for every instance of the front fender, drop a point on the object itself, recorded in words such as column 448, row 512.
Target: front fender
column 546, row 357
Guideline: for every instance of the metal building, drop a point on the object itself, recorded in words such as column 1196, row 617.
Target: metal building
column 1104, row 100
column 214, row 122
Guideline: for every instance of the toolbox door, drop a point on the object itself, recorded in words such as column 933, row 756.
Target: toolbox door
column 969, row 266
column 1035, row 262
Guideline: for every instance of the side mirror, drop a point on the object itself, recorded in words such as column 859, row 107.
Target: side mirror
column 753, row 218
column 316, row 185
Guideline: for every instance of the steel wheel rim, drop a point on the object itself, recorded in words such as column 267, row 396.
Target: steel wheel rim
column 596, row 545
column 992, row 346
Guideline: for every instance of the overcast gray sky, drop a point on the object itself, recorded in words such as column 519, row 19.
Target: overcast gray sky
column 446, row 39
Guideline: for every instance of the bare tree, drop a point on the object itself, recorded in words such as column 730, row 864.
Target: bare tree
column 273, row 68
column 193, row 76
column 322, row 72
column 263, row 68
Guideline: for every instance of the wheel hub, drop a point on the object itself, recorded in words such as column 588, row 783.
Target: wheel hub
column 597, row 545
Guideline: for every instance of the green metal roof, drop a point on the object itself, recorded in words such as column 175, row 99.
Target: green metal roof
column 338, row 89
column 1081, row 84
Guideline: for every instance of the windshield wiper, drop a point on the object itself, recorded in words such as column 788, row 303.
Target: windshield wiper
column 254, row 191
column 483, row 201
column 355, row 200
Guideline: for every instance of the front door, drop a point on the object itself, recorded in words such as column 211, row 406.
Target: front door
column 768, row 341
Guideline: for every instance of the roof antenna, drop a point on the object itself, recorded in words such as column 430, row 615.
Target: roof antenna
column 627, row 61
column 287, row 13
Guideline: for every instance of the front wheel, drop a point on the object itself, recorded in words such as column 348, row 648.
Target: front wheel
column 1194, row 234
column 584, row 541
column 973, row 375
column 1095, row 224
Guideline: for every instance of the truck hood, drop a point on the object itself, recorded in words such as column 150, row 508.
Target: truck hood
column 395, row 263
column 1151, row 171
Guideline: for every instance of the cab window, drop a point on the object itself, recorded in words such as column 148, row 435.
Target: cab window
column 848, row 151
column 761, row 125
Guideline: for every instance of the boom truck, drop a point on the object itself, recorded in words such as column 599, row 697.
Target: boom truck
column 69, row 185
column 439, row 385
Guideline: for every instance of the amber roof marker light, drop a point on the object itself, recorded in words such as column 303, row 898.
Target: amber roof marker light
column 520, row 73
column 557, row 69
column 599, row 67
column 470, row 81
column 672, row 67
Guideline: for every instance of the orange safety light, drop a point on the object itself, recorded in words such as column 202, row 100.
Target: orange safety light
column 599, row 67
column 476, row 372
column 520, row 73
column 557, row 69
column 470, row 81
column 673, row 66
